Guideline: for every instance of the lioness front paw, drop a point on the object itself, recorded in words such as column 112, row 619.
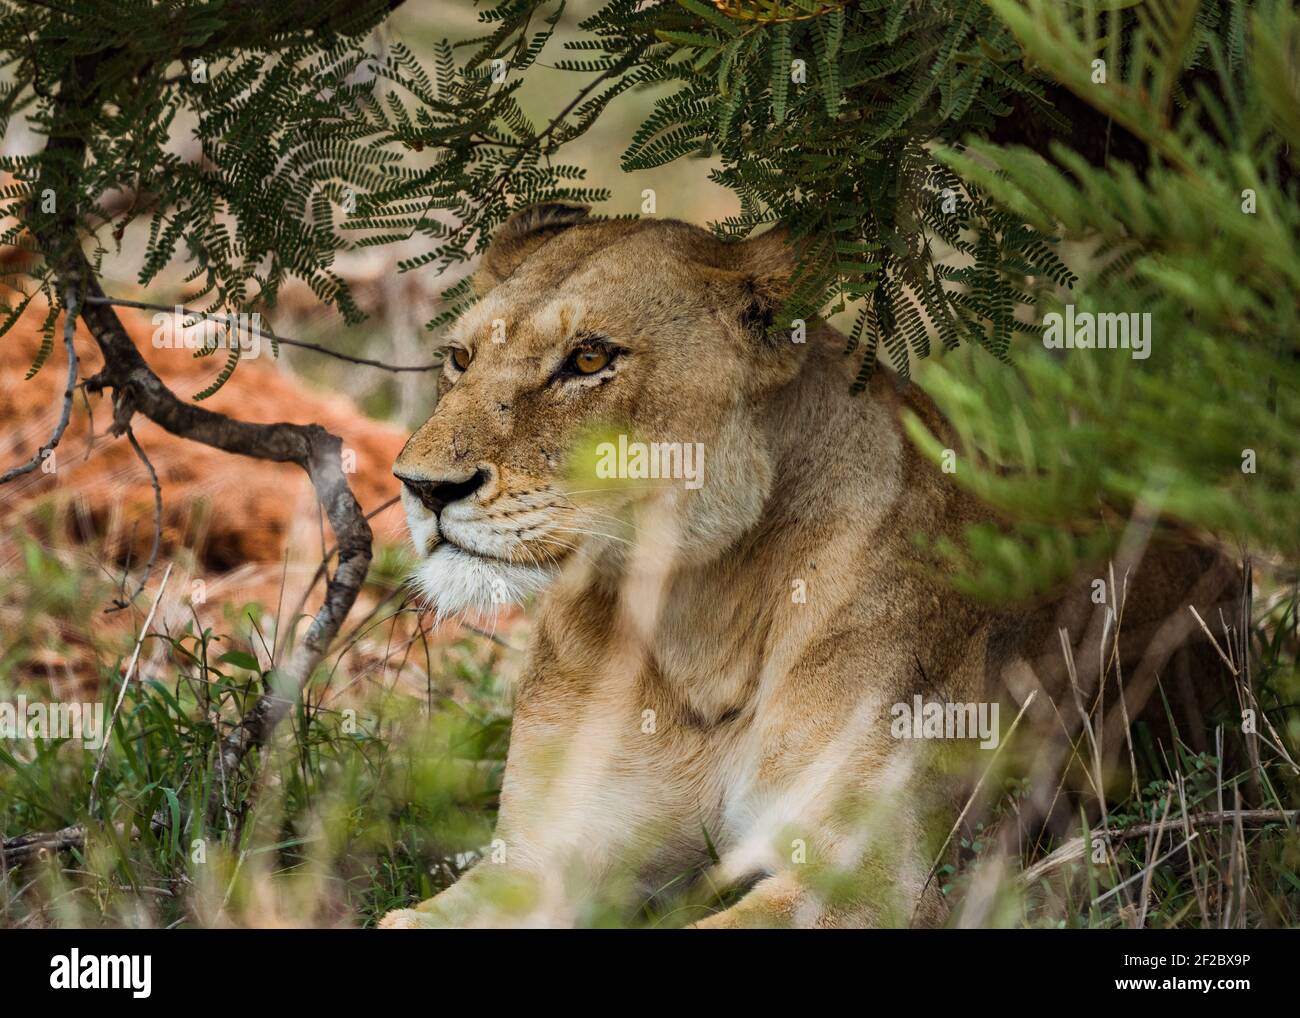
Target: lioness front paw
column 408, row 919
column 424, row 916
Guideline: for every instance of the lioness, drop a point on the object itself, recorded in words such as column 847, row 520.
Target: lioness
column 715, row 669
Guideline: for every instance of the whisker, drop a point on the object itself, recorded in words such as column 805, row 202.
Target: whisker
column 594, row 533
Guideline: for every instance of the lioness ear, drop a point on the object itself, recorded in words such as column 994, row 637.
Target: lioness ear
column 769, row 263
column 520, row 235
column 773, row 253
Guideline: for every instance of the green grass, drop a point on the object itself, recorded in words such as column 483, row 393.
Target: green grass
column 376, row 797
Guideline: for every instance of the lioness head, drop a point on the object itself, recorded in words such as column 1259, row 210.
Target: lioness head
column 653, row 330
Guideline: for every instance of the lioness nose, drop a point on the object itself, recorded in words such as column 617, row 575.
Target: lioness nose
column 437, row 495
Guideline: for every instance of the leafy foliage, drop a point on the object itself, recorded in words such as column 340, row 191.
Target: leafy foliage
column 1206, row 431
column 275, row 129
column 311, row 139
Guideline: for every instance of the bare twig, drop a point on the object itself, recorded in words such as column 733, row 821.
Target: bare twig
column 1074, row 849
column 26, row 847
column 234, row 320
column 35, row 846
column 124, row 602
column 69, row 332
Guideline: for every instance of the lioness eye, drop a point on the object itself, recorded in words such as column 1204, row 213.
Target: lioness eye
column 460, row 357
column 589, row 360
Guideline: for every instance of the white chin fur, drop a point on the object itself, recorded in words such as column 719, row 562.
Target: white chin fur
column 456, row 581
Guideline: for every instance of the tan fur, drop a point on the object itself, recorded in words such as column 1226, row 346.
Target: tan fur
column 770, row 723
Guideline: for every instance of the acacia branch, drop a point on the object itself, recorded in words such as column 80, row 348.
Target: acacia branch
column 137, row 389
